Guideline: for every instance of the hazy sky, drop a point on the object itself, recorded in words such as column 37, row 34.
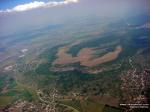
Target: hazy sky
column 18, row 15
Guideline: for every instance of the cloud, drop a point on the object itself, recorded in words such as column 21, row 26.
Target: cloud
column 37, row 4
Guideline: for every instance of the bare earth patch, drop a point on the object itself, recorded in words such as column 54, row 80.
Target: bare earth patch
column 147, row 25
column 103, row 59
column 85, row 56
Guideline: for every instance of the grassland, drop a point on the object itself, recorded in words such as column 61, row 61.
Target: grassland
column 5, row 100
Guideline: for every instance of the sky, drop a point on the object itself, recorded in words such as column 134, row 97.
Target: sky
column 6, row 4
column 24, row 5
column 19, row 15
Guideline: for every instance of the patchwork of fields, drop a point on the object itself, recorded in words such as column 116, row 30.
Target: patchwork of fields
column 94, row 70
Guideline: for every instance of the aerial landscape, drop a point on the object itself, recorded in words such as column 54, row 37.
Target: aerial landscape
column 75, row 56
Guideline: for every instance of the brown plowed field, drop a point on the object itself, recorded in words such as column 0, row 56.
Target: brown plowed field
column 85, row 56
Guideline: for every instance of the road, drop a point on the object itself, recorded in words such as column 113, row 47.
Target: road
column 53, row 102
